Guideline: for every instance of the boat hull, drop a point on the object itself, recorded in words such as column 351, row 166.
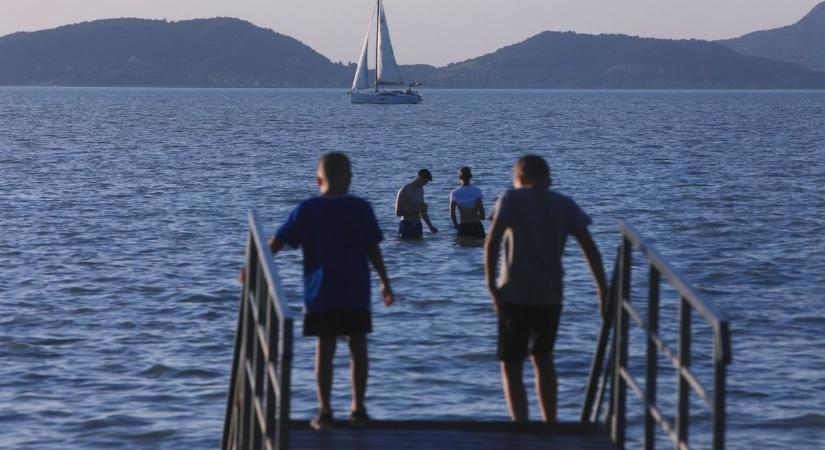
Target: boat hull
column 385, row 98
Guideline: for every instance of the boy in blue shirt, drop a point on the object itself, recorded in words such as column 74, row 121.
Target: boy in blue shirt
column 338, row 233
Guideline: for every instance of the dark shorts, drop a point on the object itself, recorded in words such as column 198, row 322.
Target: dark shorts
column 526, row 329
column 410, row 229
column 337, row 323
column 471, row 230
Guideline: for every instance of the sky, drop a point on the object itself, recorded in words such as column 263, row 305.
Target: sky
column 432, row 31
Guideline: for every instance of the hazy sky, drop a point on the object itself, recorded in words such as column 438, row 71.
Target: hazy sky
column 432, row 31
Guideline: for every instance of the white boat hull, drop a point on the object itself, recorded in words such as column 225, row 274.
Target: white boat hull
column 385, row 98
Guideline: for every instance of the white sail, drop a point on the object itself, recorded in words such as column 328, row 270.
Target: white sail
column 362, row 80
column 388, row 72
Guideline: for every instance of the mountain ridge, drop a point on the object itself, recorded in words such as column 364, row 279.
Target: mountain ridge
column 227, row 52
column 802, row 42
column 200, row 52
column 573, row 60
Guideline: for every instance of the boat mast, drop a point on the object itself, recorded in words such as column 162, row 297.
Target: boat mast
column 377, row 30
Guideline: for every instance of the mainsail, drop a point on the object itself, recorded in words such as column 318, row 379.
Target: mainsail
column 388, row 72
column 362, row 80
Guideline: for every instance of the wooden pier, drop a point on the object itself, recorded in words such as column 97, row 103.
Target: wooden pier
column 258, row 404
column 416, row 435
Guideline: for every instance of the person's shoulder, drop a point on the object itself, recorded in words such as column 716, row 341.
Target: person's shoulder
column 510, row 192
column 476, row 190
column 567, row 204
column 562, row 198
column 508, row 195
column 559, row 196
column 358, row 203
column 356, row 200
column 309, row 202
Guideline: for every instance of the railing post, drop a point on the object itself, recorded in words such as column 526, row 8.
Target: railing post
column 683, row 407
column 594, row 390
column 620, row 340
column 284, row 380
column 247, row 410
column 720, row 363
column 651, row 363
column 273, row 336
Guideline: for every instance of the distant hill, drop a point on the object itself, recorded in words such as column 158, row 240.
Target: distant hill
column 218, row 52
column 571, row 60
column 802, row 43
column 226, row 52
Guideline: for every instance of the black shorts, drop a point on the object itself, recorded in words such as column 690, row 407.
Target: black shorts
column 410, row 229
column 338, row 323
column 526, row 329
column 471, row 230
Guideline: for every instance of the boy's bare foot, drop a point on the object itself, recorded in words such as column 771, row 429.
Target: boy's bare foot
column 358, row 419
column 323, row 421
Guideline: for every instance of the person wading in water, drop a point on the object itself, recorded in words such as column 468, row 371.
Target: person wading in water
column 410, row 206
column 468, row 200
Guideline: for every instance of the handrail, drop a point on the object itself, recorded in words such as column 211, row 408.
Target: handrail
column 257, row 408
column 617, row 376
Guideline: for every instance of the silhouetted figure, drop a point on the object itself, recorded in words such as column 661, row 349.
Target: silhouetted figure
column 468, row 200
column 533, row 222
column 411, row 207
column 339, row 234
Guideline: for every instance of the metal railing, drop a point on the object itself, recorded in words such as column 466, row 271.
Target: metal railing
column 257, row 410
column 617, row 377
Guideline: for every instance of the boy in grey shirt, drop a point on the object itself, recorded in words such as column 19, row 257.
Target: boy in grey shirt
column 532, row 223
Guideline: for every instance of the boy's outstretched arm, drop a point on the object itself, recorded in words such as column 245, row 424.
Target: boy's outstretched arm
column 594, row 259
column 275, row 245
column 491, row 255
column 377, row 260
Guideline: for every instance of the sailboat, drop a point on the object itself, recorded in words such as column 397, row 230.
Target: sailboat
column 388, row 87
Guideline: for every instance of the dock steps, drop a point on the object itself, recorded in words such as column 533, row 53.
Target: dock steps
column 451, row 435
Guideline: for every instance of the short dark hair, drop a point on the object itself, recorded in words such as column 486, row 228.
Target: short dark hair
column 336, row 166
column 534, row 169
column 465, row 173
column 425, row 174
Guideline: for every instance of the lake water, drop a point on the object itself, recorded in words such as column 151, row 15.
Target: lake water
column 123, row 223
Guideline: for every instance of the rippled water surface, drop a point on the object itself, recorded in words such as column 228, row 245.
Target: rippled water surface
column 123, row 219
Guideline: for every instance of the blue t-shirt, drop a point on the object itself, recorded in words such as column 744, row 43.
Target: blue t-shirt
column 334, row 233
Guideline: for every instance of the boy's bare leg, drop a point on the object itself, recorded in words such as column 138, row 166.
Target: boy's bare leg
column 514, row 392
column 323, row 371
column 547, row 386
column 359, row 368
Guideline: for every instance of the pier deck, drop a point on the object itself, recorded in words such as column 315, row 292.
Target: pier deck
column 402, row 435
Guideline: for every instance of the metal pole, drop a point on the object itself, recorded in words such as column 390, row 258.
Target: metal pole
column 719, row 377
column 683, row 408
column 620, row 386
column 651, row 372
column 377, row 38
column 592, row 390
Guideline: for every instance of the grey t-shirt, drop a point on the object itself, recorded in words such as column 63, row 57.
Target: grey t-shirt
column 537, row 223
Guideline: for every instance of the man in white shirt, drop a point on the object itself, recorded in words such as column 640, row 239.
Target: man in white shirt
column 468, row 200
